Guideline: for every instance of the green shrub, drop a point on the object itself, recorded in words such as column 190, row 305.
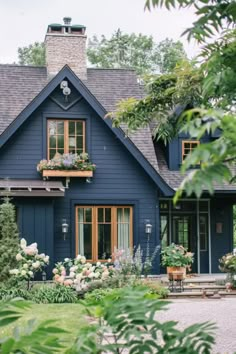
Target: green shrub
column 97, row 295
column 14, row 292
column 54, row 295
column 129, row 316
column 9, row 238
column 42, row 338
column 154, row 287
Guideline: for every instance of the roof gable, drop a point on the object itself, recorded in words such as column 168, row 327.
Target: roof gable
column 67, row 73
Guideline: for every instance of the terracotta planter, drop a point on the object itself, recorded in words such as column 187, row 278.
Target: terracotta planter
column 176, row 273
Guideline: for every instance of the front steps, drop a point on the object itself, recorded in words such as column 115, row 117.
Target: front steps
column 201, row 286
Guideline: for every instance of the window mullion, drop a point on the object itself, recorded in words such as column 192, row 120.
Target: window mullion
column 83, row 122
column 114, row 240
column 66, row 136
column 131, row 227
column 95, row 234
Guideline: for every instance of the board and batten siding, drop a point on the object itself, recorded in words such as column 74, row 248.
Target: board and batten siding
column 118, row 179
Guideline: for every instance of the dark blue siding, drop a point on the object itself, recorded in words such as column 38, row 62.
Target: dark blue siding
column 222, row 243
column 119, row 179
column 35, row 223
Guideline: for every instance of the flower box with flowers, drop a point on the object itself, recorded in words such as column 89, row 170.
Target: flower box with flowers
column 67, row 165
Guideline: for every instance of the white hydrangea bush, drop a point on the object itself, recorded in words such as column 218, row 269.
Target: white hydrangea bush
column 29, row 261
column 78, row 272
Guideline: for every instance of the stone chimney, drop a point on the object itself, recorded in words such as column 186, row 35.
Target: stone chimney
column 66, row 44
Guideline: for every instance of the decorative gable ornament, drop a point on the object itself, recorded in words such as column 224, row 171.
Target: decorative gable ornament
column 64, row 96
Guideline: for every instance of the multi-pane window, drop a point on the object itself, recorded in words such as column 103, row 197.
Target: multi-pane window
column 181, row 230
column 101, row 229
column 203, row 232
column 188, row 146
column 164, row 231
column 65, row 136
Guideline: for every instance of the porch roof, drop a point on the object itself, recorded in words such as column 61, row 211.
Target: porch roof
column 31, row 188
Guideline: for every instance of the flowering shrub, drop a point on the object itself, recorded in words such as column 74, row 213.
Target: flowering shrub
column 134, row 262
column 227, row 263
column 176, row 256
column 29, row 261
column 70, row 161
column 78, row 272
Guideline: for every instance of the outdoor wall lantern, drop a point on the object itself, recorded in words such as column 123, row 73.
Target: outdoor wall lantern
column 148, row 227
column 65, row 228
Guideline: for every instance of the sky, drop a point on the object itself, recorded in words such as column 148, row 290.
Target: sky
column 23, row 22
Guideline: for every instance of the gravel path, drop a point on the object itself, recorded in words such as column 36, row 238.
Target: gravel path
column 222, row 312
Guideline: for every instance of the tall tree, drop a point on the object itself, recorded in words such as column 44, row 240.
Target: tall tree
column 215, row 83
column 169, row 54
column 140, row 52
column 33, row 54
column 120, row 51
column 9, row 238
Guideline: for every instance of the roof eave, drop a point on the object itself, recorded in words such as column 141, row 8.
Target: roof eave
column 99, row 109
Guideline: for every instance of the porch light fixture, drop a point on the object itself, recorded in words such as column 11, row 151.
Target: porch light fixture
column 148, row 227
column 65, row 228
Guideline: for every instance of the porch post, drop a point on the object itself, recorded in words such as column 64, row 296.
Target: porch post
column 198, row 241
column 209, row 232
column 170, row 221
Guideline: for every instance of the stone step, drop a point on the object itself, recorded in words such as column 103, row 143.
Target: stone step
column 197, row 281
column 201, row 287
column 200, row 294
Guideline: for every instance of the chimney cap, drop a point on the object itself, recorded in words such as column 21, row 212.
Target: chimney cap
column 67, row 21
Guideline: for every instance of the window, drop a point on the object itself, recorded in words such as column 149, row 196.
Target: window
column 101, row 229
column 203, row 231
column 188, row 146
column 65, row 136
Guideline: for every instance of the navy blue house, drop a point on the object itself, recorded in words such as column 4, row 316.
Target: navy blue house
column 61, row 108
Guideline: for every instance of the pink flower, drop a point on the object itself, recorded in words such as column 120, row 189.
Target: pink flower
column 61, row 279
column 63, row 272
column 68, row 282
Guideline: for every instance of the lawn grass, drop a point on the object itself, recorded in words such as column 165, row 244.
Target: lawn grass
column 68, row 316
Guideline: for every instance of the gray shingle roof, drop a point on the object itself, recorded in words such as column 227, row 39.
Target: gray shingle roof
column 20, row 84
column 174, row 178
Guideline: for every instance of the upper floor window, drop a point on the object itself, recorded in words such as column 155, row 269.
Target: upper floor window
column 65, row 136
column 188, row 146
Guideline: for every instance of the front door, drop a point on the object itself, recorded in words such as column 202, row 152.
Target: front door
column 183, row 234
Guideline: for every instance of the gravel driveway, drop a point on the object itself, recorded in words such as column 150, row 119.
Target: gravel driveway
column 222, row 312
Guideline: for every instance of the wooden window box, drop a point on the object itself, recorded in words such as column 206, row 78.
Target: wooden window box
column 67, row 173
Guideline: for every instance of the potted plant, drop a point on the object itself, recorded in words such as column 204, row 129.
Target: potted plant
column 176, row 258
column 227, row 264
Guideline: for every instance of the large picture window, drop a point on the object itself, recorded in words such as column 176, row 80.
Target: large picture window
column 101, row 229
column 65, row 136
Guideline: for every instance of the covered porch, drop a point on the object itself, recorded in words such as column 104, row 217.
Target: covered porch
column 204, row 227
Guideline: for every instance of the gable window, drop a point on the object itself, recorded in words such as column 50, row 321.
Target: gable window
column 188, row 146
column 65, row 136
column 101, row 229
